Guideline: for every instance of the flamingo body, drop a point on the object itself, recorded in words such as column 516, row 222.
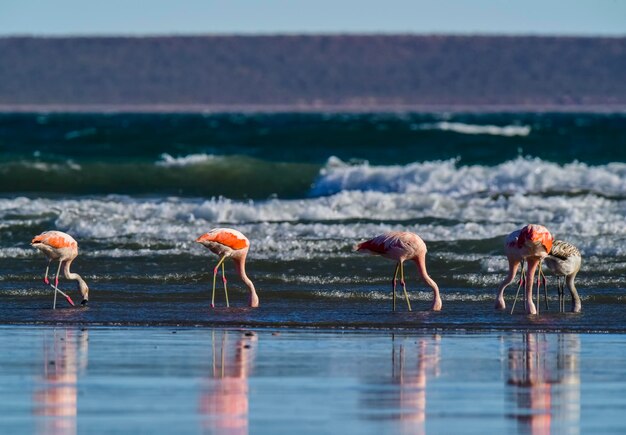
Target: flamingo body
column 531, row 243
column 230, row 243
column 565, row 260
column 224, row 241
column 401, row 246
column 61, row 247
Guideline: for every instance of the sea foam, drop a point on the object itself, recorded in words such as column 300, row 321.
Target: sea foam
column 459, row 127
column 442, row 201
column 191, row 159
column 522, row 175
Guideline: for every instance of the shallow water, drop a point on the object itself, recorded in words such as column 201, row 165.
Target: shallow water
column 197, row 380
column 137, row 190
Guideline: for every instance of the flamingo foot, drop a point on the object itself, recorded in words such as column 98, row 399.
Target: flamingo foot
column 530, row 307
column 69, row 299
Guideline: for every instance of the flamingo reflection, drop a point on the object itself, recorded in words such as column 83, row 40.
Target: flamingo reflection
column 545, row 382
column 224, row 400
column 412, row 380
column 401, row 395
column 56, row 399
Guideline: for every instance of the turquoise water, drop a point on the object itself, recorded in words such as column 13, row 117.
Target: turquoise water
column 136, row 190
column 256, row 156
column 155, row 380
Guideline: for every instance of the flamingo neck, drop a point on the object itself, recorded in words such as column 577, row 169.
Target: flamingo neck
column 82, row 285
column 241, row 270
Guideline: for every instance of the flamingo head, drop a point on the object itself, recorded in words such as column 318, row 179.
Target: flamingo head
column 84, row 290
column 203, row 238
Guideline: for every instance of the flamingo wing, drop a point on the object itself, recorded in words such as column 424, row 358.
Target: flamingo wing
column 385, row 244
column 230, row 238
column 564, row 250
column 55, row 240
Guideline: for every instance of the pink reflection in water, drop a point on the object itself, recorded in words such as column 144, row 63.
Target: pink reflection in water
column 224, row 401
column 55, row 402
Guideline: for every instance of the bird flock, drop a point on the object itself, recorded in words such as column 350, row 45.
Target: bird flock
column 530, row 247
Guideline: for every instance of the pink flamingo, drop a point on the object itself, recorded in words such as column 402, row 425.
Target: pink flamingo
column 229, row 243
column 531, row 243
column 402, row 246
column 60, row 246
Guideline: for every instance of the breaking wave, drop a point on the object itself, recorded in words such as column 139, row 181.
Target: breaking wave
column 459, row 127
column 519, row 176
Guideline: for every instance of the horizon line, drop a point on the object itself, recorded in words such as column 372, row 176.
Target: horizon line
column 312, row 34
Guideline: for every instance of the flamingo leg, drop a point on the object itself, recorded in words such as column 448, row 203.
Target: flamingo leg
column 71, row 302
column 531, row 269
column 406, row 295
column 217, row 267
column 538, row 286
column 561, row 291
column 393, row 286
column 56, row 285
column 45, row 277
column 545, row 287
column 519, row 287
column 224, row 280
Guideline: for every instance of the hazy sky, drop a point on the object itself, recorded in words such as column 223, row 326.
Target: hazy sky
column 71, row 17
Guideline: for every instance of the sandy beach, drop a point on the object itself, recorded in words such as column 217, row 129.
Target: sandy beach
column 203, row 380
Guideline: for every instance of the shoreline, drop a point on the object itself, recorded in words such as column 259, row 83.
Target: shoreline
column 321, row 328
column 250, row 109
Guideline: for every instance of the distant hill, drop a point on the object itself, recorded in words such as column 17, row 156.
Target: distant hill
column 365, row 72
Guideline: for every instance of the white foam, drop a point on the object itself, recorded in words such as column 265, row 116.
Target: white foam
column 52, row 167
column 459, row 127
column 188, row 160
column 519, row 176
column 441, row 201
column 322, row 226
column 377, row 295
column 18, row 252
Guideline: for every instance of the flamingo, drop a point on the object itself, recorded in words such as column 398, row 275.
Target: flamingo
column 402, row 246
column 57, row 245
column 532, row 244
column 229, row 243
column 564, row 260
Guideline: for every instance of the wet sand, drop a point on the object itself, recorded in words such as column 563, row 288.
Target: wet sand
column 201, row 380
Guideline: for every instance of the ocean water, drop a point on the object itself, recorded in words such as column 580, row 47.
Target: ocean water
column 136, row 190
